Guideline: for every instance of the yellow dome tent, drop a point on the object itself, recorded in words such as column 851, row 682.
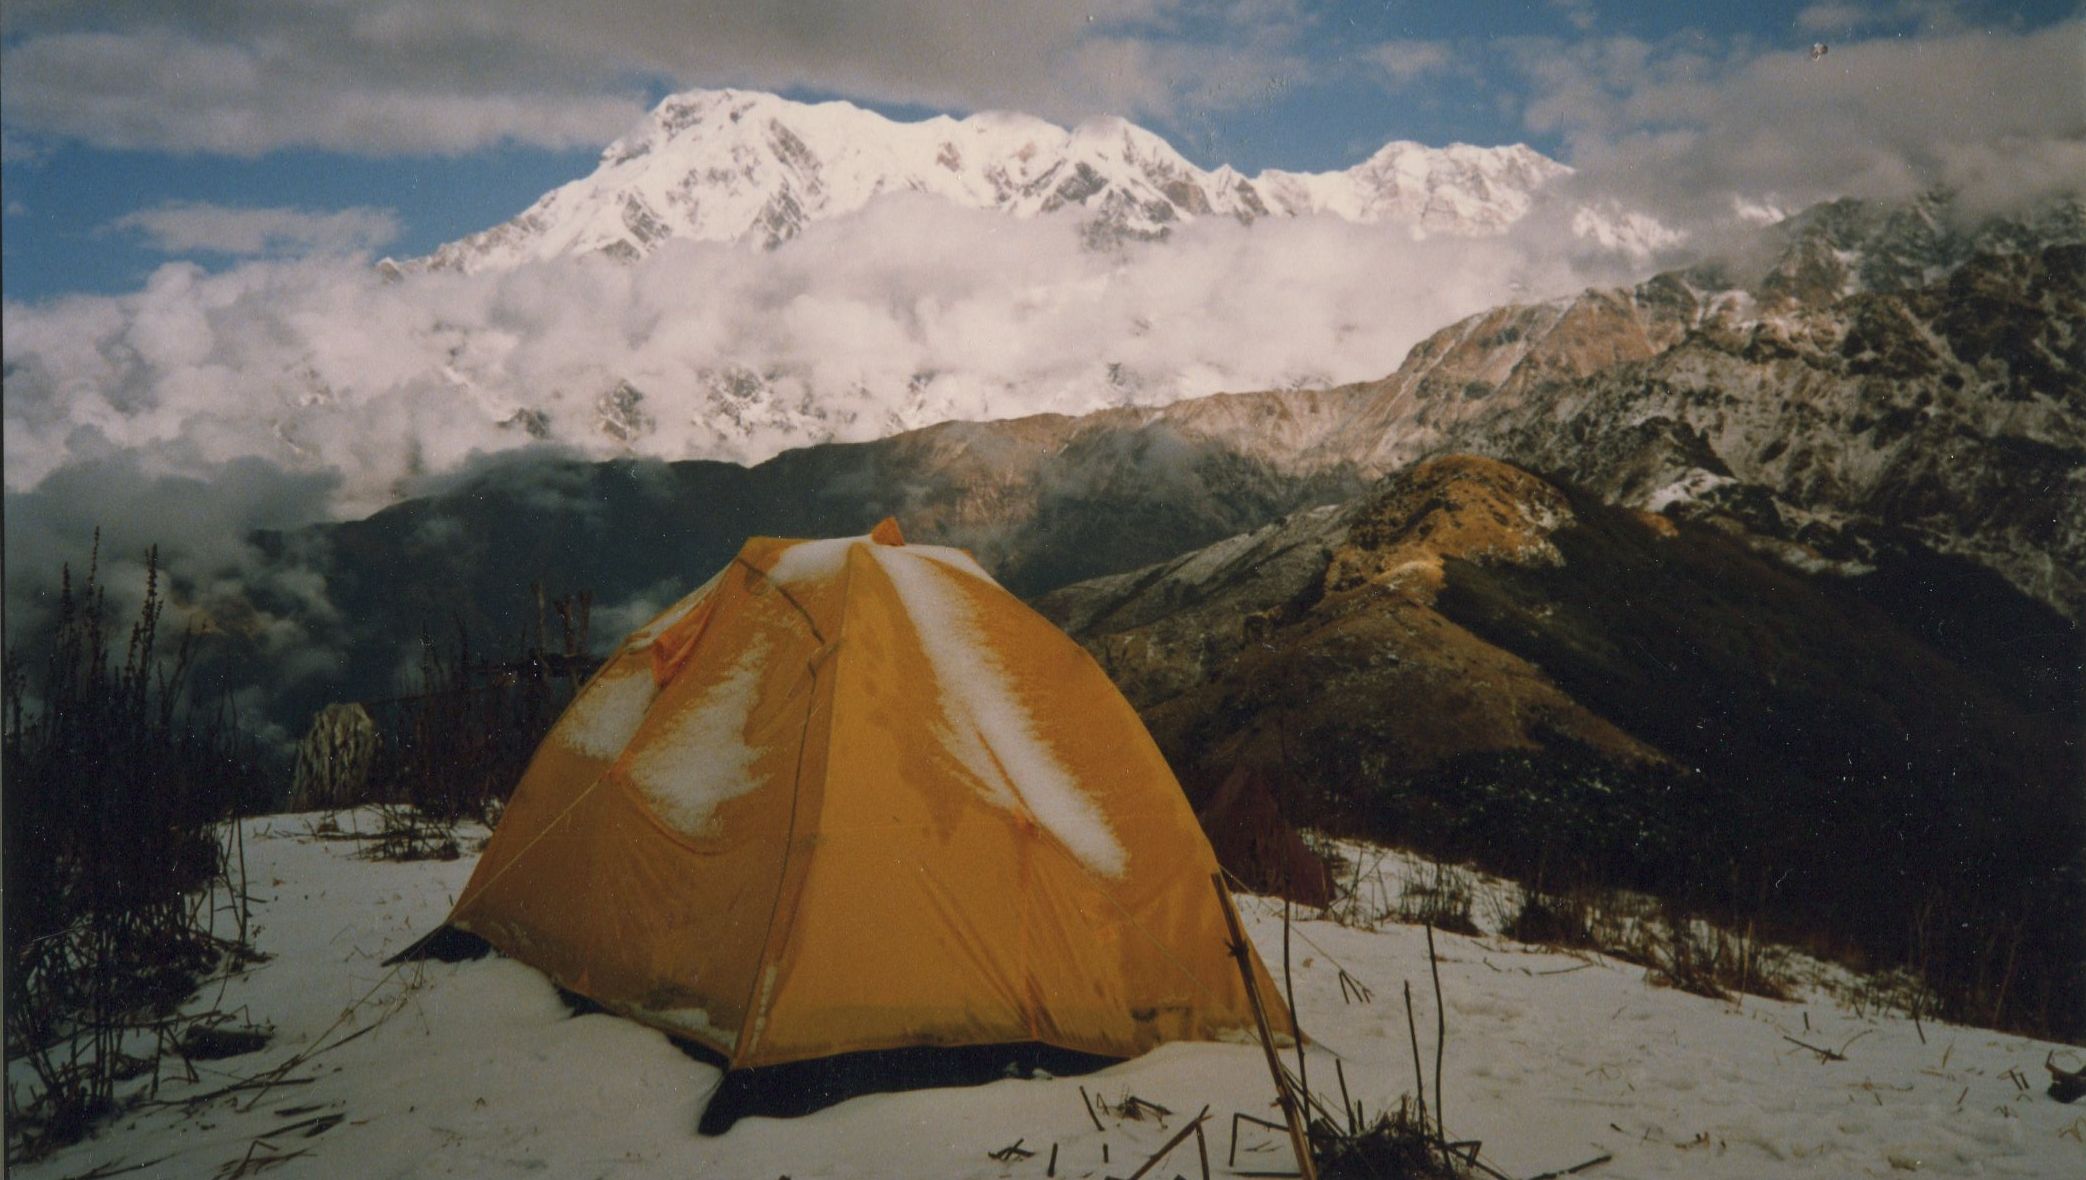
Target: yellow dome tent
column 852, row 795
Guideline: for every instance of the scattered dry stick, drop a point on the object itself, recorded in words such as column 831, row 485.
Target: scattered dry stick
column 1232, row 1161
column 1011, row 1152
column 1575, row 1169
column 1089, row 1104
column 1172, row 1143
column 1824, row 1055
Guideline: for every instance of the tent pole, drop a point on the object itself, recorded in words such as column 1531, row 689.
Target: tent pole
column 1299, row 1141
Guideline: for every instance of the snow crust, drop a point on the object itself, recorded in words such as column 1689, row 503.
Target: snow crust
column 822, row 560
column 478, row 1069
column 990, row 730
column 813, row 561
column 700, row 758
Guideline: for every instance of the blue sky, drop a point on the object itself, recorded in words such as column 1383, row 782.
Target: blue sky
column 147, row 130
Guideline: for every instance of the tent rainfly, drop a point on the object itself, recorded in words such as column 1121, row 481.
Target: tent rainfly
column 853, row 795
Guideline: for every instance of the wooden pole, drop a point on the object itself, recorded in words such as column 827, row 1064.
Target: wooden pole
column 1289, row 996
column 1441, row 1034
column 1299, row 1141
column 1419, row 1078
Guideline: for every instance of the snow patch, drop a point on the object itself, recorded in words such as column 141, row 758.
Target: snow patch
column 955, row 559
column 700, row 758
column 1691, row 486
column 664, row 622
column 603, row 719
column 695, row 1022
column 990, row 731
column 813, row 561
column 817, row 561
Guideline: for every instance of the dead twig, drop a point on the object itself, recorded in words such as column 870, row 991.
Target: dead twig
column 1166, row 1148
column 252, row 1165
column 1011, row 1152
column 117, row 1168
column 1352, row 989
column 1089, row 1104
column 1232, row 1161
column 234, row 1088
column 1824, row 1055
column 1575, row 1169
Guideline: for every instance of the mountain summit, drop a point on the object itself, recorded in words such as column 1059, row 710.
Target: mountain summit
column 743, row 166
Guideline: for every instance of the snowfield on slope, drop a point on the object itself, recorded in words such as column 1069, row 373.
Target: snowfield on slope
column 479, row 1069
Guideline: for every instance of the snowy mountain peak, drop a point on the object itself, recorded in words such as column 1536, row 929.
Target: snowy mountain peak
column 746, row 166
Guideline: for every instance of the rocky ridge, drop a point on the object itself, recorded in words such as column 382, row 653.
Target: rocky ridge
column 1886, row 373
column 1866, row 375
column 1495, row 666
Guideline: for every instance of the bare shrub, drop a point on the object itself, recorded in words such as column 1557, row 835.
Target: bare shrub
column 1442, row 899
column 1707, row 960
column 124, row 882
column 452, row 752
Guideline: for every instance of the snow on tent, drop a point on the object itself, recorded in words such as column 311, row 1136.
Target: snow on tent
column 852, row 795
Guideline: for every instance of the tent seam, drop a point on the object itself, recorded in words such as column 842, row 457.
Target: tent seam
column 762, row 964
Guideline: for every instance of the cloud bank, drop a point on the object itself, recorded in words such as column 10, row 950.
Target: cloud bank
column 1684, row 128
column 282, row 391
column 193, row 227
column 908, row 313
column 401, row 76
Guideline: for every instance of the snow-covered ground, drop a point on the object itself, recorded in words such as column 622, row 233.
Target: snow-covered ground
column 479, row 1069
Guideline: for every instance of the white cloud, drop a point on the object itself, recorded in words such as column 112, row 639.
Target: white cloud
column 907, row 313
column 1579, row 13
column 1844, row 18
column 198, row 228
column 181, row 90
column 1833, row 17
column 1406, row 62
column 1682, row 128
column 392, row 76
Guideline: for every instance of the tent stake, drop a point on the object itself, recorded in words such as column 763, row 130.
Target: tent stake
column 1298, row 1140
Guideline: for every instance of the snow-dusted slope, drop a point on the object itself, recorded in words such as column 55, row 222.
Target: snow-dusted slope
column 1894, row 364
column 736, row 165
column 478, row 1069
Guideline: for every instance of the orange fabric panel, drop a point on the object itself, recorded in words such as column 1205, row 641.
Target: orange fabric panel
column 671, row 650
column 932, row 915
